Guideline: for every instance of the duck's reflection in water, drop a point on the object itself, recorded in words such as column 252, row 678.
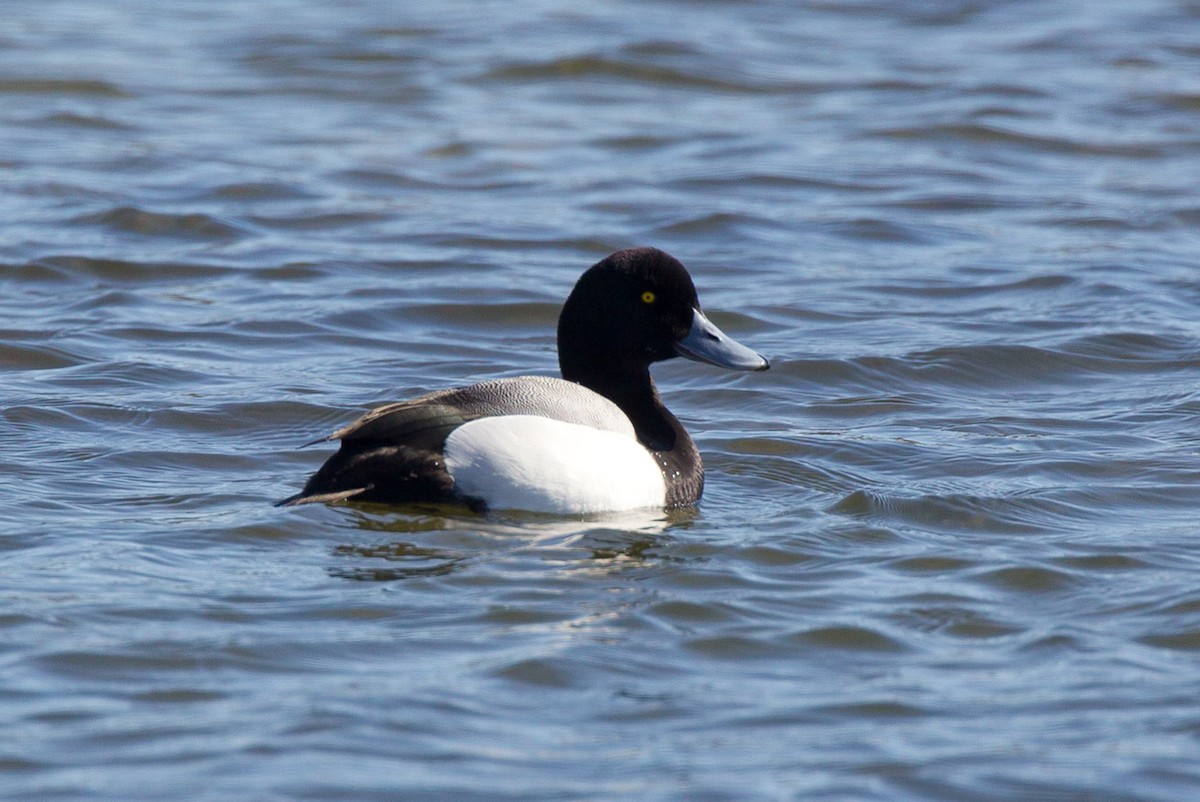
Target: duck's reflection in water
column 434, row 541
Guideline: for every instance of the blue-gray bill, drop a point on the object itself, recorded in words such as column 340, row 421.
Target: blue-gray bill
column 705, row 342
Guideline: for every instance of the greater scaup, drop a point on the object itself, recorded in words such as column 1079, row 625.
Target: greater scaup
column 597, row 440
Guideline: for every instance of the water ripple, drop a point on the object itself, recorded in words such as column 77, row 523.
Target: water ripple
column 592, row 66
column 131, row 220
column 61, row 86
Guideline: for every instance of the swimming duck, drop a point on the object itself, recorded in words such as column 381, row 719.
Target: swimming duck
column 597, row 440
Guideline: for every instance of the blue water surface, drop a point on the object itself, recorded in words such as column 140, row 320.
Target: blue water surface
column 948, row 545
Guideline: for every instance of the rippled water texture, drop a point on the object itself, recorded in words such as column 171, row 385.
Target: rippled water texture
column 948, row 549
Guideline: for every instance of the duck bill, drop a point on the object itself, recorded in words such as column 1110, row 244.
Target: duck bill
column 704, row 342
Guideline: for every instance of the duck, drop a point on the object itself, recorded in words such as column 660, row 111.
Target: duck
column 598, row 440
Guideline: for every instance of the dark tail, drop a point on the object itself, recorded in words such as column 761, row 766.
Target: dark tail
column 319, row 498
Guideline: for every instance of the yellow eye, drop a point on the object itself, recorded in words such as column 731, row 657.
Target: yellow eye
column 648, row 297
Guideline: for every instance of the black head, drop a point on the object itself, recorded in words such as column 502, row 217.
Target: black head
column 636, row 307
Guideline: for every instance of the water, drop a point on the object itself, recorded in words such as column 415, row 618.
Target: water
column 948, row 548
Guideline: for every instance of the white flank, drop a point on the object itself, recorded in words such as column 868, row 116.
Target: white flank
column 526, row 462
